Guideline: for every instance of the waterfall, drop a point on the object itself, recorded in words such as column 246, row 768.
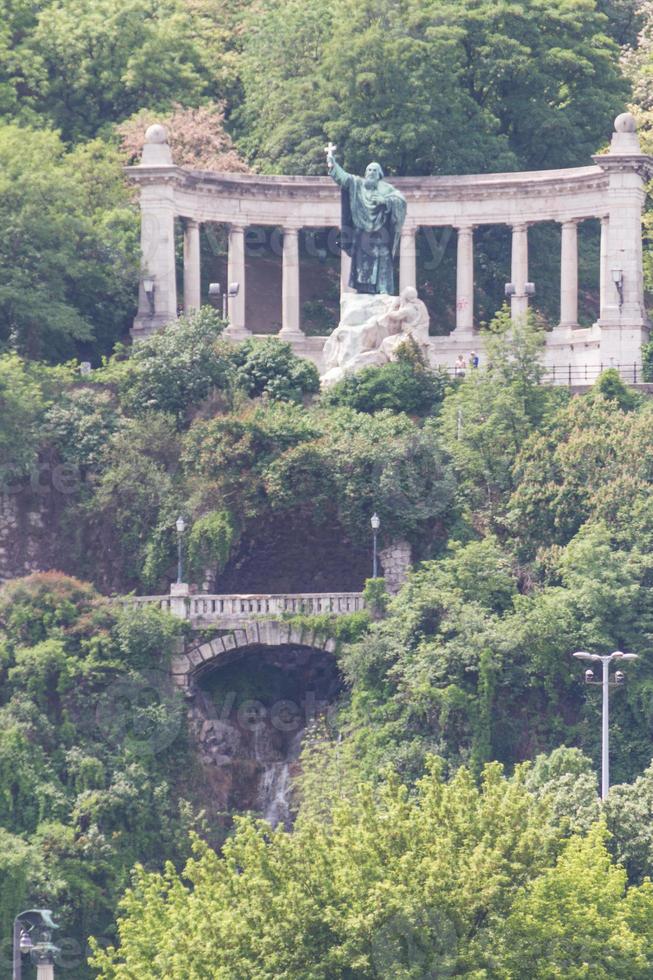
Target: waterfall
column 275, row 785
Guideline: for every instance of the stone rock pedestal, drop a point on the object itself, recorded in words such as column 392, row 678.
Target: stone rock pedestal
column 371, row 328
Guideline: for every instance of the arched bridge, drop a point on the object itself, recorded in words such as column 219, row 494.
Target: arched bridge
column 246, row 621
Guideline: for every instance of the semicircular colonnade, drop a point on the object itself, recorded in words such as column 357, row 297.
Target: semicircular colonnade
column 612, row 190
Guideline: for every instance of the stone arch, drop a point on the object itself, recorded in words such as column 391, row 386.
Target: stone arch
column 188, row 666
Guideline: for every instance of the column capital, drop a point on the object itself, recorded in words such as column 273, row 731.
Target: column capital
column 518, row 226
column 191, row 222
column 237, row 226
column 409, row 230
column 569, row 221
column 465, row 228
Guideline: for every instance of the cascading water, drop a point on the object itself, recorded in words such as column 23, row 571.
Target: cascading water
column 275, row 786
column 249, row 719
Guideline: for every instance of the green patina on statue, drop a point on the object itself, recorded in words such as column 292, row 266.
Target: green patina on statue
column 373, row 213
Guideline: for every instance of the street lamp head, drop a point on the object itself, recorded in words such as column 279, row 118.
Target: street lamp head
column 25, row 944
column 589, row 676
column 582, row 655
column 181, row 525
column 375, row 521
column 629, row 656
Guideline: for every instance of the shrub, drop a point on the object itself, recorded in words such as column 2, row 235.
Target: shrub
column 178, row 368
column 269, row 367
column 405, row 385
column 210, row 541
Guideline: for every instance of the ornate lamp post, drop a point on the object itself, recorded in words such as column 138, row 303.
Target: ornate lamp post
column 32, row 935
column 606, row 684
column 375, row 521
column 181, row 527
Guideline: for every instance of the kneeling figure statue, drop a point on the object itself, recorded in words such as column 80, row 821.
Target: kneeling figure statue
column 371, row 334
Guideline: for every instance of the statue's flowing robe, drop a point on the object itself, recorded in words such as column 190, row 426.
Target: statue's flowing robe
column 371, row 225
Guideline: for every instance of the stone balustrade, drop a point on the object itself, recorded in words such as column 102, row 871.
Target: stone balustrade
column 224, row 610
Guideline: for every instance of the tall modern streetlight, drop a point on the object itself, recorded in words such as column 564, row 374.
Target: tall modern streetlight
column 606, row 684
column 32, row 936
column 181, row 527
column 375, row 521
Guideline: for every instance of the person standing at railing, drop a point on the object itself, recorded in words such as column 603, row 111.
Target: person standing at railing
column 459, row 367
column 473, row 359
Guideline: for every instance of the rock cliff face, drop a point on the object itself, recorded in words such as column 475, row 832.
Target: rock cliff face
column 25, row 542
column 248, row 720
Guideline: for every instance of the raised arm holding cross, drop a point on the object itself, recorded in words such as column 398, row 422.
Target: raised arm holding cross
column 330, row 150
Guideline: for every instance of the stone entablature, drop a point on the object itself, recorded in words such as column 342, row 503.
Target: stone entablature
column 612, row 190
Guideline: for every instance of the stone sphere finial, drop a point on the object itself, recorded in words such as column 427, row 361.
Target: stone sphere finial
column 625, row 123
column 157, row 133
column 156, row 149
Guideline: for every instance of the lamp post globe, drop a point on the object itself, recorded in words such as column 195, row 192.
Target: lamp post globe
column 181, row 527
column 375, row 521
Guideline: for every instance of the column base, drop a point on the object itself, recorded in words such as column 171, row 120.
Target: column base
column 145, row 324
column 291, row 335
column 236, row 333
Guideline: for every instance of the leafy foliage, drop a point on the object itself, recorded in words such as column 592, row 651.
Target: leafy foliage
column 405, row 385
column 376, row 78
column 68, row 248
column 270, row 368
column 84, row 771
column 457, row 880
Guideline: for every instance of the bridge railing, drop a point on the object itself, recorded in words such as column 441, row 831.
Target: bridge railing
column 230, row 607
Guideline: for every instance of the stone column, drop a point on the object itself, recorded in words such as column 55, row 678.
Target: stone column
column 569, row 275
column 519, row 271
column 465, row 280
column 290, row 303
column 192, row 298
column 623, row 321
column 345, row 269
column 236, row 273
column 407, row 258
column 159, row 307
column 604, row 272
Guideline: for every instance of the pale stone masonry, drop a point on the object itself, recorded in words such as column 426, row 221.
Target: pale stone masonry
column 612, row 190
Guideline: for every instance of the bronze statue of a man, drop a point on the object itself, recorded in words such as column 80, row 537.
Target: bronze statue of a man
column 373, row 213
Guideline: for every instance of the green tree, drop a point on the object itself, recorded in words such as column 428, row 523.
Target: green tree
column 405, row 385
column 177, row 368
column 577, row 920
column 395, row 887
column 22, row 404
column 68, row 253
column 89, row 736
column 403, row 82
column 270, row 368
column 106, row 60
